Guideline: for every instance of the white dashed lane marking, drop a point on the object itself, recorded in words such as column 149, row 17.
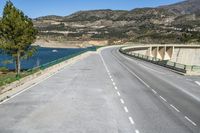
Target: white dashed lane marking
column 133, row 73
column 136, row 131
column 154, row 91
column 131, row 120
column 118, row 93
column 125, row 109
column 148, row 86
column 122, row 101
column 163, row 98
column 174, row 108
column 190, row 121
column 115, row 87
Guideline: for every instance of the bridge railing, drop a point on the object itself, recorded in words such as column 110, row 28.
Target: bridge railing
column 166, row 63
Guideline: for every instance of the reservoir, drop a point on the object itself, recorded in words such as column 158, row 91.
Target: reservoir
column 42, row 56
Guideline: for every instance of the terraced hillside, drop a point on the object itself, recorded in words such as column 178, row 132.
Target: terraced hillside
column 177, row 23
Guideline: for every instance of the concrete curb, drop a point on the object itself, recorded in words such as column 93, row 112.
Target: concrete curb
column 27, row 82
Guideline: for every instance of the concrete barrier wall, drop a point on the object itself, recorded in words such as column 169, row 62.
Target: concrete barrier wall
column 182, row 58
column 144, row 52
column 184, row 54
column 187, row 56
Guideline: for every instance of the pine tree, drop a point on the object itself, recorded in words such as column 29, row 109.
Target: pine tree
column 17, row 33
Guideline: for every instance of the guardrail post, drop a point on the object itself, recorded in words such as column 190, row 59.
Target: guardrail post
column 166, row 63
column 185, row 67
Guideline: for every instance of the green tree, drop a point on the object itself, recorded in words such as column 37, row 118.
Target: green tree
column 17, row 33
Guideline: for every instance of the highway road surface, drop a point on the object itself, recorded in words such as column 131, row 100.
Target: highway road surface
column 106, row 92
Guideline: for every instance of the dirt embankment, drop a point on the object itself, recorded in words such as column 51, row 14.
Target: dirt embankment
column 69, row 44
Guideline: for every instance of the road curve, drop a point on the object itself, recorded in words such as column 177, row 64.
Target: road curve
column 106, row 92
column 160, row 100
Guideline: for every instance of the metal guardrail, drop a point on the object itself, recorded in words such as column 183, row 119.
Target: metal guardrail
column 166, row 63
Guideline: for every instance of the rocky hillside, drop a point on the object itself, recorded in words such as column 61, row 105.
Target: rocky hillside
column 185, row 7
column 177, row 23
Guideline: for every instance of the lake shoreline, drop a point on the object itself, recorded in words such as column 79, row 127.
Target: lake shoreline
column 25, row 83
column 68, row 44
column 42, row 56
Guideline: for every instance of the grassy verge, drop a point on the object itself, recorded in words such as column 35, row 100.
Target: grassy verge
column 10, row 76
column 6, row 78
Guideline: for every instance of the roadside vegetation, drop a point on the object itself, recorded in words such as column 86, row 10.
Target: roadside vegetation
column 7, row 76
column 16, row 36
column 177, row 23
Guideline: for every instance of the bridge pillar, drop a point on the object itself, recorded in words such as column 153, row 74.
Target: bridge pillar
column 169, row 51
column 148, row 52
column 161, row 52
column 154, row 52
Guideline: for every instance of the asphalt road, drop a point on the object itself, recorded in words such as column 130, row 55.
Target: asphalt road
column 107, row 92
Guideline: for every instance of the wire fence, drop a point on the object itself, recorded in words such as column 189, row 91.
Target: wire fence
column 11, row 76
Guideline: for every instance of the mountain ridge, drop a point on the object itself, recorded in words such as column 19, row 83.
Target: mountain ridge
column 185, row 7
column 176, row 23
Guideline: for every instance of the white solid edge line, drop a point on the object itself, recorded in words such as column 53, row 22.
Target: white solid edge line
column 152, row 69
column 174, row 108
column 186, row 92
column 34, row 84
column 131, row 120
column 122, row 101
column 133, row 73
column 163, row 98
column 125, row 109
column 143, row 65
column 190, row 121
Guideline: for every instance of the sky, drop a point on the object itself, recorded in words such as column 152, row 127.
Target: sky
column 37, row 8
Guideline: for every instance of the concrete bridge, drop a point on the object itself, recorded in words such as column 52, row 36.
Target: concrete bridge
column 102, row 92
column 184, row 54
column 160, row 52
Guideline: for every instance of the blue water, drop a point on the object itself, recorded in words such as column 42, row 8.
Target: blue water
column 43, row 56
